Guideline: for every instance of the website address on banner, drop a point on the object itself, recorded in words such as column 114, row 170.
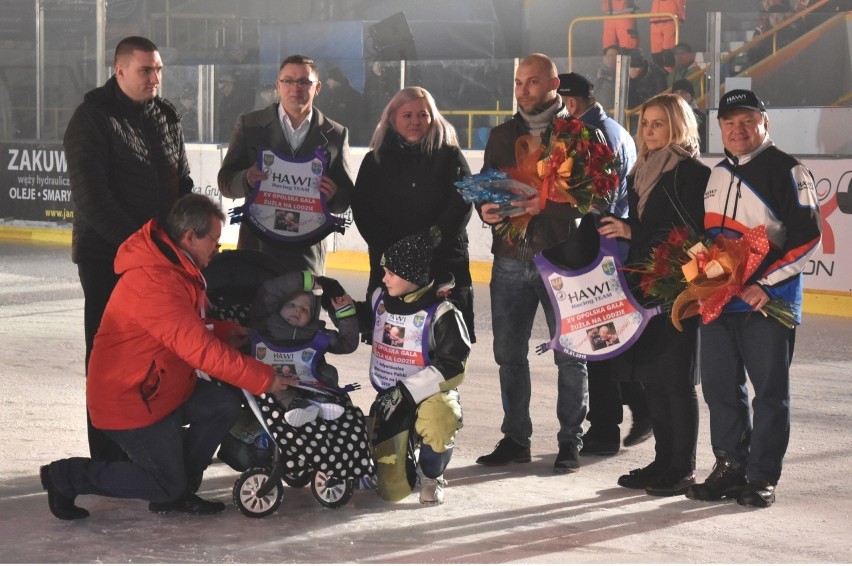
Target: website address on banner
column 59, row 214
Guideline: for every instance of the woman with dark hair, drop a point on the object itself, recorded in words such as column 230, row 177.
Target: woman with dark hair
column 405, row 185
column 665, row 191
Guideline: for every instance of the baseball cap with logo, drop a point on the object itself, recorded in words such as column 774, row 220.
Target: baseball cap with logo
column 740, row 98
column 573, row 84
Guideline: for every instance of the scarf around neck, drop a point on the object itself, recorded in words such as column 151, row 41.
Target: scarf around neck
column 539, row 122
column 651, row 167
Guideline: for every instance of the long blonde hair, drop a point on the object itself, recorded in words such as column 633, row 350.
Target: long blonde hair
column 440, row 132
column 683, row 128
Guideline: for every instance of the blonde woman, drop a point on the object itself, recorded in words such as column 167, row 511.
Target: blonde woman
column 405, row 185
column 665, row 190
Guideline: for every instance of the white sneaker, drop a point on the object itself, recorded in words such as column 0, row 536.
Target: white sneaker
column 301, row 416
column 327, row 411
column 432, row 490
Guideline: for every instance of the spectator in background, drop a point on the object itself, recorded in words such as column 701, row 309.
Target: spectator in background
column 127, row 164
column 619, row 32
column 605, row 77
column 663, row 29
column 683, row 88
column 381, row 84
column 646, row 80
column 229, row 105
column 7, row 124
column 684, row 66
column 776, row 17
column 343, row 103
column 188, row 108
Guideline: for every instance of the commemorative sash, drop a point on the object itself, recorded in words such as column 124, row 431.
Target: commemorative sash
column 596, row 315
column 400, row 344
column 288, row 207
column 297, row 362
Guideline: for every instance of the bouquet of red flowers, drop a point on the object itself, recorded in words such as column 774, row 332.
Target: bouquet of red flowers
column 568, row 165
column 693, row 275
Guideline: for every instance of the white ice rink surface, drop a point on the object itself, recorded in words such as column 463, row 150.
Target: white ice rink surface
column 520, row 513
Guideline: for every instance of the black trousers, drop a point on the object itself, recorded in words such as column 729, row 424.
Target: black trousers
column 606, row 397
column 98, row 279
column 674, row 414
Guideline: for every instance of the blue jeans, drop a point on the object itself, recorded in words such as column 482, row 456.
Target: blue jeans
column 516, row 292
column 732, row 345
column 164, row 457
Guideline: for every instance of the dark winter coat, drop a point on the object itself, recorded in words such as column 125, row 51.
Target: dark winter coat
column 407, row 192
column 262, row 129
column 127, row 164
column 553, row 224
column 664, row 353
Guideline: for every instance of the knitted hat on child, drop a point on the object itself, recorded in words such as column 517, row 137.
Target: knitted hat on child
column 410, row 257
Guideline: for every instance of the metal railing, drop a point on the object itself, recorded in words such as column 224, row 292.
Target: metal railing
column 470, row 115
column 641, row 16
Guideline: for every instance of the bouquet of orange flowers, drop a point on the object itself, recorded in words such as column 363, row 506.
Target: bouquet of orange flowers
column 567, row 165
column 695, row 276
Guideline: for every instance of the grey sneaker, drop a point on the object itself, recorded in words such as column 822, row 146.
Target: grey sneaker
column 432, row 490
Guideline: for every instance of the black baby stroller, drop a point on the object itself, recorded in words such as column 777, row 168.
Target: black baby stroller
column 331, row 455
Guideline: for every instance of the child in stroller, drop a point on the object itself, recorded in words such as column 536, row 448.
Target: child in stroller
column 329, row 447
column 286, row 313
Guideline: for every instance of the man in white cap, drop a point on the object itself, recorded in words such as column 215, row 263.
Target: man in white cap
column 756, row 184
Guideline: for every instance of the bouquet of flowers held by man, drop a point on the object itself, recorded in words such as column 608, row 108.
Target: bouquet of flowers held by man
column 692, row 275
column 565, row 165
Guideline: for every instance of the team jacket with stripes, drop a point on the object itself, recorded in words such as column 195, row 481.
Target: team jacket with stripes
column 772, row 188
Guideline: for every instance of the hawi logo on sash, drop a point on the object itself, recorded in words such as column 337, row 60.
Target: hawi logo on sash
column 288, row 207
column 598, row 315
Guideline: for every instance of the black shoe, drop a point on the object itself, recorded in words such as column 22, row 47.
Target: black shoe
column 757, row 494
column 726, row 480
column 60, row 505
column 568, row 459
column 671, row 484
column 641, row 478
column 640, row 431
column 505, row 452
column 190, row 504
column 595, row 447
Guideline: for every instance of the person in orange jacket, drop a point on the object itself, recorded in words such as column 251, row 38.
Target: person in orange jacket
column 143, row 386
column 619, row 32
column 663, row 30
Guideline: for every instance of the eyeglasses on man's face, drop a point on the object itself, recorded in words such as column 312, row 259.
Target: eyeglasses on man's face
column 212, row 239
column 301, row 83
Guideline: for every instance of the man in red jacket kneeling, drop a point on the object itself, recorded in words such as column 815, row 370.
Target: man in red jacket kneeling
column 143, row 386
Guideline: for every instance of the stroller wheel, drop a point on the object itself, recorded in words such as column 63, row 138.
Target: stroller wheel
column 245, row 494
column 330, row 491
column 297, row 479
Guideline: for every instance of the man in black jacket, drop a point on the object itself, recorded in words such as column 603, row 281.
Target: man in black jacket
column 127, row 164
